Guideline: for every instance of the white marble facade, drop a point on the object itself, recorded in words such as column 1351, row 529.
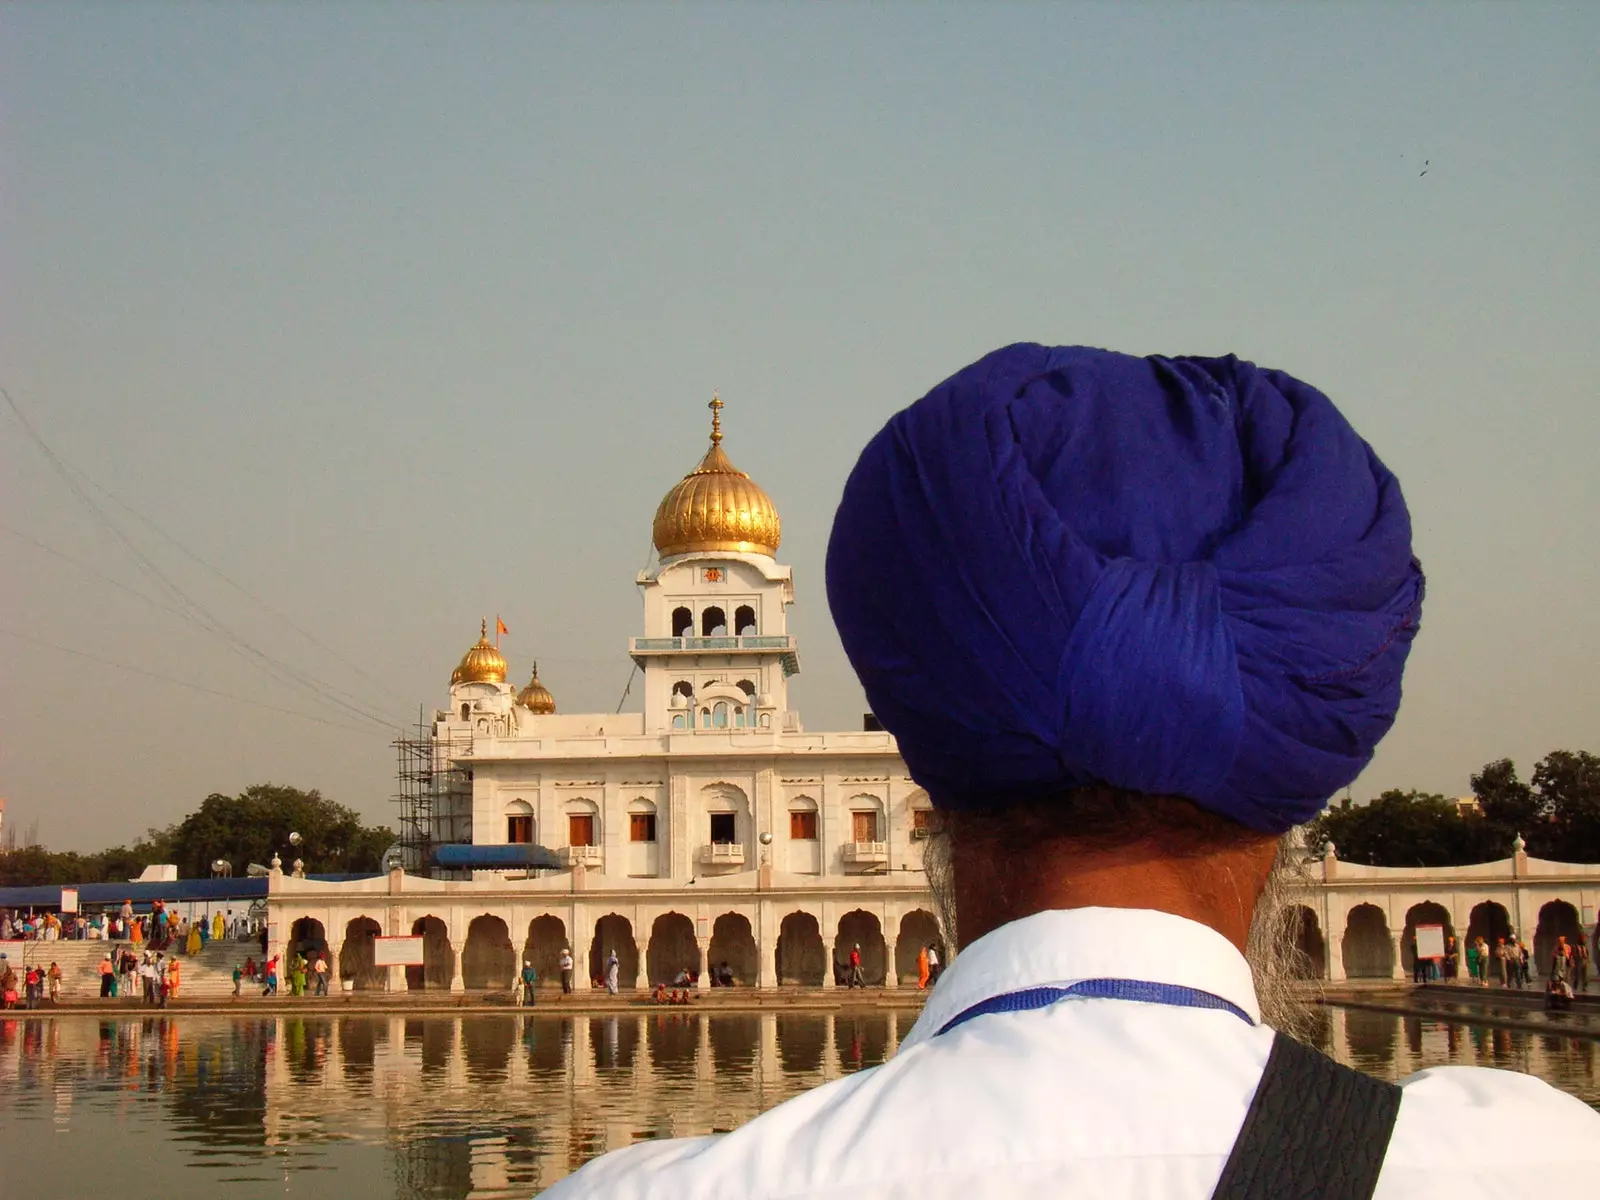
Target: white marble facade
column 714, row 796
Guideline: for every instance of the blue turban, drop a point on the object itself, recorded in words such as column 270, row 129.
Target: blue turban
column 1177, row 576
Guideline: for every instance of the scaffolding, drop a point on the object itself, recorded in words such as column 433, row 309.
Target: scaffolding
column 434, row 795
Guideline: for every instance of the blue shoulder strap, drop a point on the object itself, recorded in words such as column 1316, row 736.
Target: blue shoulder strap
column 1139, row 990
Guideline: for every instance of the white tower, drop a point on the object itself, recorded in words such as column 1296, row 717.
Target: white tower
column 716, row 651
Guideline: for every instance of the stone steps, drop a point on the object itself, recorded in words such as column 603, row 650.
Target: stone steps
column 208, row 974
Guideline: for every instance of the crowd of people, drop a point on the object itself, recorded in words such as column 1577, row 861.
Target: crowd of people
column 1510, row 964
column 158, row 929
column 35, row 982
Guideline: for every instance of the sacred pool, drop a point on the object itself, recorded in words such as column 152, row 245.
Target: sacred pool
column 184, row 1107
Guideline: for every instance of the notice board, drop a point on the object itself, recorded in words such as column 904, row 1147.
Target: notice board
column 1430, row 941
column 397, row 952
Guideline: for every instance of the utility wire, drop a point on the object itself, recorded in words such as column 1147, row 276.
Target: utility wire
column 275, row 668
column 98, row 574
column 304, row 716
column 242, row 590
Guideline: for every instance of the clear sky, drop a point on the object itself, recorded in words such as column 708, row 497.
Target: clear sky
column 401, row 316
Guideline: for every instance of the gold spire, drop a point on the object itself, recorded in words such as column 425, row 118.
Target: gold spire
column 482, row 663
column 716, row 506
column 536, row 698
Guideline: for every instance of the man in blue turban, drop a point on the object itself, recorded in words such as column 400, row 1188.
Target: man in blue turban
column 1131, row 620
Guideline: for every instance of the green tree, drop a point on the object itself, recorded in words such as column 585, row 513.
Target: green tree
column 254, row 825
column 1508, row 804
column 1403, row 829
column 1568, row 786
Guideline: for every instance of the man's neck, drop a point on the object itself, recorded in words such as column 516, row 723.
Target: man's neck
column 995, row 885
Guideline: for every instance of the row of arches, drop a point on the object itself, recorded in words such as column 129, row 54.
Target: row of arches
column 490, row 960
column 1368, row 948
column 713, row 621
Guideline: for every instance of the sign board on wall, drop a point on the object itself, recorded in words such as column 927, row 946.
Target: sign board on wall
column 69, row 900
column 1430, row 941
column 397, row 952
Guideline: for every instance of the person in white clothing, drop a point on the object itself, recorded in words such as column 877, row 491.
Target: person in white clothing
column 1131, row 621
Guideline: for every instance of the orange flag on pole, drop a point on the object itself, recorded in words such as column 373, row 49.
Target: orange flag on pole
column 500, row 629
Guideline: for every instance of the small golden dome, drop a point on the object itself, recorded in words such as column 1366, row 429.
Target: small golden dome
column 536, row 698
column 716, row 507
column 481, row 664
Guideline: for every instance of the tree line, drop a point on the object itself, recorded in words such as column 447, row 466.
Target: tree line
column 248, row 828
column 1556, row 811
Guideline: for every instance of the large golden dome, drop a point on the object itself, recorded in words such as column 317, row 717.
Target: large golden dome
column 482, row 663
column 536, row 698
column 716, row 507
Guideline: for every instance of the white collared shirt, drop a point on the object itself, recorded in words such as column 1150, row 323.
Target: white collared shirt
column 1089, row 1097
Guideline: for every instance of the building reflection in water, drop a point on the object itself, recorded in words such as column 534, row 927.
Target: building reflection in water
column 503, row 1105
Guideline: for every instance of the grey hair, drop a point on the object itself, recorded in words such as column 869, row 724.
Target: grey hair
column 1286, row 984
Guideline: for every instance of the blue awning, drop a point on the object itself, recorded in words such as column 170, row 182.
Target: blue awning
column 488, row 858
column 179, row 891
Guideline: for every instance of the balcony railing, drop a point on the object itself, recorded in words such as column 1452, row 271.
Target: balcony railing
column 589, row 856
column 748, row 641
column 722, row 853
column 866, row 854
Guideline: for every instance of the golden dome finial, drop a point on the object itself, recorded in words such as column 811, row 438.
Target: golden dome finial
column 536, row 698
column 716, row 506
column 482, row 663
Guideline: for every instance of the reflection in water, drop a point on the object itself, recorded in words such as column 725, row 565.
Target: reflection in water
column 492, row 1106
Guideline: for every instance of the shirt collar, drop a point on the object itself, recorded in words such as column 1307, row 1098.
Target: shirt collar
column 1060, row 947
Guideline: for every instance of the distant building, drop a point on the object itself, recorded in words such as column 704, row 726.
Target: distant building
column 709, row 827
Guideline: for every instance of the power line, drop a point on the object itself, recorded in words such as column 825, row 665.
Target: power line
column 275, row 668
column 240, row 588
column 304, row 716
column 98, row 574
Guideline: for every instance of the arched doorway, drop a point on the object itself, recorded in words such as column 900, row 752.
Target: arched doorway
column 672, row 949
column 355, row 957
column 547, row 937
column 801, row 959
column 1557, row 919
column 1491, row 922
column 1426, row 913
column 918, row 928
column 306, row 936
column 733, row 943
column 861, row 928
column 488, row 960
column 1311, row 951
column 1368, row 951
column 438, row 956
column 614, row 933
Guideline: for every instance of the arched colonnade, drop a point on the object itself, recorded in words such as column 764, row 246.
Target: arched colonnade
column 1368, row 934
column 483, row 947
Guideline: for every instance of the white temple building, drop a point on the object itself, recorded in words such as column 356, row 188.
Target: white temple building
column 710, row 827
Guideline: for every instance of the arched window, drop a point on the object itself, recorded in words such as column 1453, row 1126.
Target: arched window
column 682, row 622
column 713, row 622
column 705, row 718
column 583, row 825
column 748, row 688
column 803, row 819
column 719, row 715
column 683, row 687
column 679, row 721
column 466, row 712
column 738, row 716
column 519, row 823
column 641, row 821
column 744, row 619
